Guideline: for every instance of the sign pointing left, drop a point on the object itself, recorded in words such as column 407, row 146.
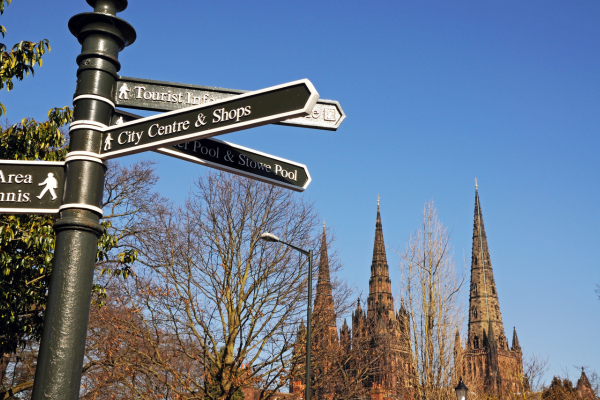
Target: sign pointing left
column 236, row 113
column 28, row 187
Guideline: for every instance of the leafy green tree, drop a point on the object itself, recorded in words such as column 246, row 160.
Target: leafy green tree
column 20, row 61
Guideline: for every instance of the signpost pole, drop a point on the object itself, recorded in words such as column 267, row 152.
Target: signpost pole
column 102, row 35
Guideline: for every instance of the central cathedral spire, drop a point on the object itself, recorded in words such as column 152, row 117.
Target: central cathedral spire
column 484, row 308
column 380, row 291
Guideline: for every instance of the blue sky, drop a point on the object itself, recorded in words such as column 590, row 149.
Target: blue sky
column 436, row 93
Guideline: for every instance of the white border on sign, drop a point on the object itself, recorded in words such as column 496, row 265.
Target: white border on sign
column 28, row 210
column 200, row 161
column 31, row 210
column 312, row 100
column 28, row 162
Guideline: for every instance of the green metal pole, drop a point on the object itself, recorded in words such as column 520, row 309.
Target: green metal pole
column 102, row 35
column 309, row 323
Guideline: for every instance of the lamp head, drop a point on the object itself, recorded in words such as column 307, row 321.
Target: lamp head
column 269, row 237
column 461, row 390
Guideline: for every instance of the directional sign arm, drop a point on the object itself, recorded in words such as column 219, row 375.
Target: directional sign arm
column 231, row 114
column 152, row 95
column 242, row 161
column 31, row 187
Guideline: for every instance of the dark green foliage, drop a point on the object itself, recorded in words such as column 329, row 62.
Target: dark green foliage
column 19, row 62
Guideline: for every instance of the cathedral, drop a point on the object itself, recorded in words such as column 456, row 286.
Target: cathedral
column 373, row 360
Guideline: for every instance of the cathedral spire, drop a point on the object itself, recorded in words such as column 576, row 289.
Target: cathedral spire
column 380, row 291
column 515, row 341
column 324, row 312
column 457, row 347
column 484, row 308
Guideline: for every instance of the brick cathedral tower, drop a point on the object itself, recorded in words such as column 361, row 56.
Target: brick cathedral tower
column 487, row 361
column 379, row 339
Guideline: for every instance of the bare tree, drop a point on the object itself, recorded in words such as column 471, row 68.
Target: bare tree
column 216, row 309
column 430, row 287
column 534, row 368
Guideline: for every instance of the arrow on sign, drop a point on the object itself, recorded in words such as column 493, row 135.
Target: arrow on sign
column 232, row 114
column 31, row 187
column 147, row 94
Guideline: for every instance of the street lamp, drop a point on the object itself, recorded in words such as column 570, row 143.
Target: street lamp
column 269, row 237
column 461, row 390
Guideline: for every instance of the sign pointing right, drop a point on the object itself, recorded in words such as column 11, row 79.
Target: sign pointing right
column 232, row 114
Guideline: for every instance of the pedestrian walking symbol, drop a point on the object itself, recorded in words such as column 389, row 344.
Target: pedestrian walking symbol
column 51, row 184
column 123, row 91
column 109, row 139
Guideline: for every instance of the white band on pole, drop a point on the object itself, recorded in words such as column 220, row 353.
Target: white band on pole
column 95, row 209
column 85, row 158
column 84, row 155
column 94, row 97
column 88, row 122
column 82, row 126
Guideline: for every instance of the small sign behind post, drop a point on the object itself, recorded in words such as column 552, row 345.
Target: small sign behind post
column 147, row 94
column 31, row 187
column 244, row 111
column 242, row 161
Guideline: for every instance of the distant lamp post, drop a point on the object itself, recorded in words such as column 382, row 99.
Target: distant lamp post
column 461, row 390
column 269, row 237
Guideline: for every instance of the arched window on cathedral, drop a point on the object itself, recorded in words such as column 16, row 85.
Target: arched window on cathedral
column 475, row 342
column 474, row 311
column 493, row 289
column 474, row 288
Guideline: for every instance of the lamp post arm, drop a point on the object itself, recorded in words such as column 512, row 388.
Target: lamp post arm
column 306, row 253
